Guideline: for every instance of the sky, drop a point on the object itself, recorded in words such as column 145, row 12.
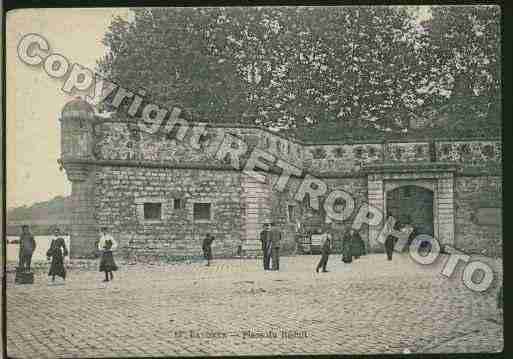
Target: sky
column 34, row 100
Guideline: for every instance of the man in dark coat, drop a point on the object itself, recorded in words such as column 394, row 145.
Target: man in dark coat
column 389, row 246
column 325, row 253
column 27, row 248
column 266, row 246
column 275, row 237
column 207, row 247
column 391, row 240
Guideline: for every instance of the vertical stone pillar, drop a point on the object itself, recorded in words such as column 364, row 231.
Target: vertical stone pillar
column 256, row 199
column 375, row 196
column 83, row 224
column 445, row 209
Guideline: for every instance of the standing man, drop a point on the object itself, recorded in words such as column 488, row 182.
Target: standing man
column 325, row 253
column 389, row 246
column 207, row 247
column 392, row 239
column 27, row 248
column 275, row 236
column 266, row 246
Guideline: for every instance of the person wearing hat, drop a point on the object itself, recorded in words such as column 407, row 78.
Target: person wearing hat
column 207, row 247
column 325, row 252
column 275, row 238
column 391, row 240
column 107, row 244
column 266, row 246
column 27, row 248
column 57, row 252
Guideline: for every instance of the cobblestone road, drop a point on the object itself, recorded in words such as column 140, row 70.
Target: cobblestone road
column 369, row 306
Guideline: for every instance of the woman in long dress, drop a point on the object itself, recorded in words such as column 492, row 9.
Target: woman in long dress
column 347, row 255
column 107, row 244
column 57, row 252
column 357, row 245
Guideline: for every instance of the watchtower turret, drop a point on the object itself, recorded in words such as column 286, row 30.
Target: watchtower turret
column 77, row 142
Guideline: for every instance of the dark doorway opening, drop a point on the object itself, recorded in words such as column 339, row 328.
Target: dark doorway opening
column 412, row 205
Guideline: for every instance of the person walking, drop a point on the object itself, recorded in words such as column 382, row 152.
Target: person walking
column 107, row 244
column 275, row 237
column 266, row 246
column 391, row 240
column 27, row 248
column 347, row 256
column 57, row 252
column 325, row 253
column 207, row 248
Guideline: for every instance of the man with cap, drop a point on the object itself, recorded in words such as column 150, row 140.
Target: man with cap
column 266, row 246
column 207, row 247
column 27, row 248
column 275, row 237
column 325, row 253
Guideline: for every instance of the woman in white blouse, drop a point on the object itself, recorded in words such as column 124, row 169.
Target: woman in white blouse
column 107, row 244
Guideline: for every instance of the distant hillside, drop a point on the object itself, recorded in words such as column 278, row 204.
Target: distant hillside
column 41, row 216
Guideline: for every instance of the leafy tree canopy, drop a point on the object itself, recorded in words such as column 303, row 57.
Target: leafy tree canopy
column 313, row 71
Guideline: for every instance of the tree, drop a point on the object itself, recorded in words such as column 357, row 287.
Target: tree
column 297, row 68
column 166, row 52
column 463, row 50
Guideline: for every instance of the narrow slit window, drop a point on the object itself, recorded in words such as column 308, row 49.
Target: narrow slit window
column 178, row 203
column 291, row 213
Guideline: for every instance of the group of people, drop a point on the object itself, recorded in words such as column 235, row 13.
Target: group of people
column 57, row 251
column 353, row 247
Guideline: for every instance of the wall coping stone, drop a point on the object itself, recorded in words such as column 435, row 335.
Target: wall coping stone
column 100, row 120
column 411, row 166
column 374, row 168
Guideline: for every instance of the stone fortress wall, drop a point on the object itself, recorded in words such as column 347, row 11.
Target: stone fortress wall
column 118, row 171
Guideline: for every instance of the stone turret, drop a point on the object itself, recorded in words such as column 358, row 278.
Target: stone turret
column 77, row 142
column 77, row 119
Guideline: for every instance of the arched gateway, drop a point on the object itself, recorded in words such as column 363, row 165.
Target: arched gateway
column 419, row 193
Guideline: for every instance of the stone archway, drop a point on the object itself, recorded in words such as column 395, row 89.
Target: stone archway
column 413, row 205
